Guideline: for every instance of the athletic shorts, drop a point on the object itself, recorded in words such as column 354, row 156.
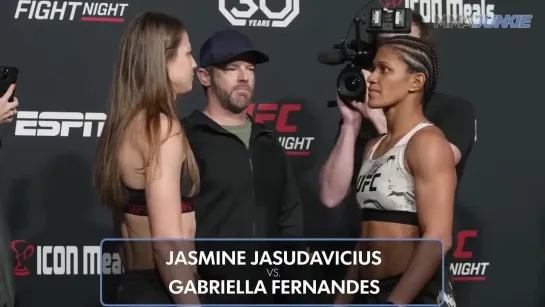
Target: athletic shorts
column 142, row 287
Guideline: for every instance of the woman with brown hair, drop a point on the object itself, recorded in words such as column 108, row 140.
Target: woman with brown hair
column 145, row 169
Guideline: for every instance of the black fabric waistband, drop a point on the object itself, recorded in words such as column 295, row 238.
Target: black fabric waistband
column 147, row 274
column 400, row 217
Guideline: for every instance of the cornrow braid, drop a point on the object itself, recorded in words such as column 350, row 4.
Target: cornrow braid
column 420, row 56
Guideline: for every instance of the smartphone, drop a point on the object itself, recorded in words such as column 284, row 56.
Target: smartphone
column 8, row 76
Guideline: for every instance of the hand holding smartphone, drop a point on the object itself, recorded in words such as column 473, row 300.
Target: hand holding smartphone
column 8, row 76
column 8, row 101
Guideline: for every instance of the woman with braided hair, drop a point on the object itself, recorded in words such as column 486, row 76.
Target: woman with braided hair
column 406, row 185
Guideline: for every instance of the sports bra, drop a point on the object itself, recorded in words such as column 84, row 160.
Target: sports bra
column 385, row 188
column 137, row 204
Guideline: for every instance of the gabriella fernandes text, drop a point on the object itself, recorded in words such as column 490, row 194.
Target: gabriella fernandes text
column 276, row 286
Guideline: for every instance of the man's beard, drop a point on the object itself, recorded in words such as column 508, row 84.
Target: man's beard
column 235, row 105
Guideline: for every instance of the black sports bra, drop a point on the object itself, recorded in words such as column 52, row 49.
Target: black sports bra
column 137, row 205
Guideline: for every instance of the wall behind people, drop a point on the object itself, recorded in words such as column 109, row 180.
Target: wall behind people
column 65, row 70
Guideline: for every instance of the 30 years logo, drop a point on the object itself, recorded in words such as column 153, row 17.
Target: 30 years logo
column 238, row 17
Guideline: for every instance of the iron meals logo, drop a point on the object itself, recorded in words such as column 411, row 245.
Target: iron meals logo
column 433, row 9
column 461, row 14
column 242, row 13
column 281, row 116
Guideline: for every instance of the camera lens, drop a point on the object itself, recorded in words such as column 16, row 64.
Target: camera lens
column 352, row 83
column 4, row 74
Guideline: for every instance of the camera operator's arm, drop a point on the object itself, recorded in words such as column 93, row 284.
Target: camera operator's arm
column 456, row 120
column 336, row 174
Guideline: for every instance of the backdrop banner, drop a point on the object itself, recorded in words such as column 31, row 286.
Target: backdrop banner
column 65, row 51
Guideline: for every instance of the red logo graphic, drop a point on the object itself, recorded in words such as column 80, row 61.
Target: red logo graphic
column 279, row 114
column 390, row 3
column 23, row 251
column 272, row 112
column 465, row 267
column 460, row 252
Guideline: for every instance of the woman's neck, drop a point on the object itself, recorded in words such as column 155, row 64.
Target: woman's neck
column 402, row 117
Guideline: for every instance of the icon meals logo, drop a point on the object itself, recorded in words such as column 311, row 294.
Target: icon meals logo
column 30, row 259
column 242, row 17
column 22, row 251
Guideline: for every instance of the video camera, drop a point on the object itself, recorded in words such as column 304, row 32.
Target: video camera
column 359, row 53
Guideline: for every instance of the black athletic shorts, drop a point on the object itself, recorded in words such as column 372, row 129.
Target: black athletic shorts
column 142, row 287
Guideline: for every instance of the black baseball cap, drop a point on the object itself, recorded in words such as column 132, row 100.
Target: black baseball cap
column 226, row 45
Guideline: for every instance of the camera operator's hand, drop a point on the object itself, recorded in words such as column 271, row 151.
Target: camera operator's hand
column 350, row 112
column 353, row 111
column 8, row 109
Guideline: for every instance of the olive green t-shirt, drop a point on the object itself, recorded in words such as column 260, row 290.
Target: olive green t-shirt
column 243, row 132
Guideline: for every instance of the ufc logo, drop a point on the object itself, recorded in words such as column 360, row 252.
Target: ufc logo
column 279, row 19
column 460, row 252
column 367, row 182
column 272, row 112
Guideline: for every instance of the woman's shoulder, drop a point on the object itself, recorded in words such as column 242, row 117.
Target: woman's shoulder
column 164, row 128
column 429, row 143
column 430, row 133
column 169, row 126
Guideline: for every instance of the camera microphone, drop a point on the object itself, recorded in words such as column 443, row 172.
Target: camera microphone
column 334, row 57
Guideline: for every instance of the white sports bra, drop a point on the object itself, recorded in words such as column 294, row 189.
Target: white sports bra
column 385, row 188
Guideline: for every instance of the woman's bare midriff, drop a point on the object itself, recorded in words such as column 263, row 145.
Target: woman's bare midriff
column 395, row 255
column 138, row 255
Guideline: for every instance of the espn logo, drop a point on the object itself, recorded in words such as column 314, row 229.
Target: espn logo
column 33, row 123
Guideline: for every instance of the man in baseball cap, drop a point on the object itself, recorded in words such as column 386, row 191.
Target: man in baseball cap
column 227, row 67
column 247, row 187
